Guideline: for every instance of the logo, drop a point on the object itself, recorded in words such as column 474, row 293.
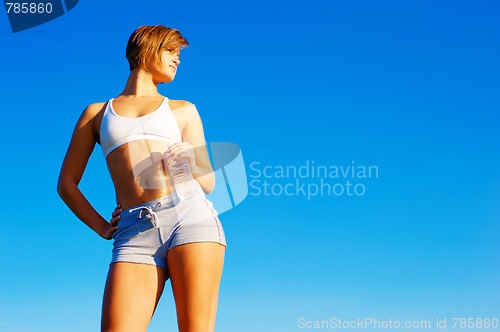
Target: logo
column 230, row 176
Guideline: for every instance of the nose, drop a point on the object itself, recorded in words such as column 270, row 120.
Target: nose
column 177, row 61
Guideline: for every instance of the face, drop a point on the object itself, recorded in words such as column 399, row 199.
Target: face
column 164, row 71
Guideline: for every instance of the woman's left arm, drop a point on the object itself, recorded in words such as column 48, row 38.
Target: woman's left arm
column 193, row 147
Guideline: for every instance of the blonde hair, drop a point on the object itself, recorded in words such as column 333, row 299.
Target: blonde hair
column 147, row 42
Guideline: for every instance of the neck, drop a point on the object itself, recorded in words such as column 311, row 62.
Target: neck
column 140, row 84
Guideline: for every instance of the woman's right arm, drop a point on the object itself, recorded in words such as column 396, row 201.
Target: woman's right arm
column 80, row 148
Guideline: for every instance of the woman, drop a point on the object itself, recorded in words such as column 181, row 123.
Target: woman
column 158, row 233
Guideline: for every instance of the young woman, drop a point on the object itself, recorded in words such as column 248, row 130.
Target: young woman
column 158, row 231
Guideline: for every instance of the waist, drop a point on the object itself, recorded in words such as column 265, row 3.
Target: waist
column 161, row 203
column 149, row 209
column 133, row 196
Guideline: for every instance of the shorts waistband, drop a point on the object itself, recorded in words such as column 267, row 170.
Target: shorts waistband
column 143, row 209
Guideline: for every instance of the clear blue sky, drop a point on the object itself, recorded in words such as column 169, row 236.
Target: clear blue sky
column 410, row 87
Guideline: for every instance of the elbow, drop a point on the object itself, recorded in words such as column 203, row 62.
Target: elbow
column 208, row 190
column 63, row 186
column 210, row 185
column 61, row 190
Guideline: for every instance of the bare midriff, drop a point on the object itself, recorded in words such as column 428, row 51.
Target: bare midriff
column 139, row 172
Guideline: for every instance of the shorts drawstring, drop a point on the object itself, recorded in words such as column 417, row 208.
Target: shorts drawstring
column 154, row 217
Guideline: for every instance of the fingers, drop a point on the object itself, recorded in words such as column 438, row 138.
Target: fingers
column 117, row 211
column 115, row 217
column 178, row 148
column 114, row 222
column 112, row 227
column 118, row 207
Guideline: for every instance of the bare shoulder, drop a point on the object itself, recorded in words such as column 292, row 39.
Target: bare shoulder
column 184, row 111
column 181, row 105
column 90, row 112
column 92, row 115
column 93, row 109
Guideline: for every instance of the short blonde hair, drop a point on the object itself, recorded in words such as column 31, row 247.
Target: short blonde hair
column 147, row 42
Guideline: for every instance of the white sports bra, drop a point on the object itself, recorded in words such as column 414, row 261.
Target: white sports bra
column 116, row 130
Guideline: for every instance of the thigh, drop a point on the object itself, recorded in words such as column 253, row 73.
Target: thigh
column 195, row 272
column 131, row 295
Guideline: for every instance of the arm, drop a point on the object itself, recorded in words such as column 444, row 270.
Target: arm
column 193, row 147
column 82, row 143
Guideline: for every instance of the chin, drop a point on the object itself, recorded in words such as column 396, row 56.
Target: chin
column 165, row 80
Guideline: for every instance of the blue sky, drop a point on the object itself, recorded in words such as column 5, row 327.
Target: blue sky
column 408, row 86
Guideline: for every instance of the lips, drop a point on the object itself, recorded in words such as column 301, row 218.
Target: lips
column 174, row 68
